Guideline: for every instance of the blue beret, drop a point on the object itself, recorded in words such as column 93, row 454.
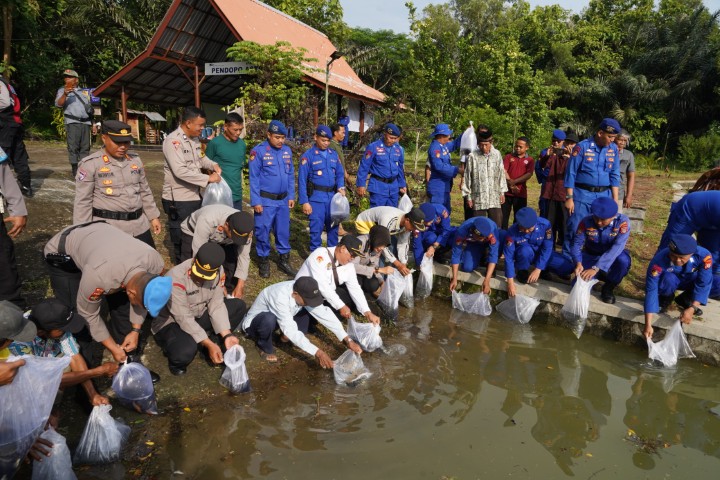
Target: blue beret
column 323, row 131
column 392, row 129
column 277, row 127
column 441, row 129
column 604, row 207
column 156, row 295
column 429, row 212
column 526, row 217
column 483, row 226
column 559, row 134
column 610, row 125
column 682, row 244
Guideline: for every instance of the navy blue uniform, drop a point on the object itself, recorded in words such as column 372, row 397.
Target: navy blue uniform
column 442, row 172
column 542, row 172
column 272, row 185
column 522, row 250
column 663, row 278
column 440, row 231
column 386, row 167
column 320, row 176
column 697, row 212
column 603, row 247
column 591, row 172
column 470, row 253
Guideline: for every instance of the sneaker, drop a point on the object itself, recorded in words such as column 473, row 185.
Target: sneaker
column 27, row 192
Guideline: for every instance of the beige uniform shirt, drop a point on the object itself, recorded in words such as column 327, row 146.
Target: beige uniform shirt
column 189, row 301
column 117, row 185
column 183, row 160
column 203, row 225
column 367, row 263
column 108, row 259
column 11, row 195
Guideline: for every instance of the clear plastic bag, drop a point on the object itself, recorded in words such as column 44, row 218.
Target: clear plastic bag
column 519, row 308
column 405, row 204
column 425, row 280
column 103, row 438
column 134, row 388
column 673, row 346
column 390, row 294
column 575, row 310
column 367, row 335
column 235, row 377
column 58, row 466
column 477, row 303
column 407, row 298
column 25, row 406
column 350, row 370
column 468, row 141
column 339, row 209
column 218, row 194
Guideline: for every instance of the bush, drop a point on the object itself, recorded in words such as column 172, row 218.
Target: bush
column 698, row 153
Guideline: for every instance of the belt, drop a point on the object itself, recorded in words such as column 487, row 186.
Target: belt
column 117, row 215
column 591, row 188
column 273, row 196
column 323, row 188
column 384, row 180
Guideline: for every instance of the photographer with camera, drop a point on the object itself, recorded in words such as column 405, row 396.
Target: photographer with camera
column 553, row 190
column 77, row 115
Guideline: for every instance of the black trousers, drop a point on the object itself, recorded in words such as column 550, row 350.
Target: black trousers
column 9, row 278
column 229, row 266
column 265, row 323
column 12, row 141
column 180, row 348
column 494, row 214
column 511, row 204
column 146, row 237
column 182, row 211
column 558, row 216
column 78, row 142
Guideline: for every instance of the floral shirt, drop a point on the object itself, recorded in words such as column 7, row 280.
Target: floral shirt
column 484, row 179
column 65, row 346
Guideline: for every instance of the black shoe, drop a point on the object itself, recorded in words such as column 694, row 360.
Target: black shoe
column 27, row 191
column 264, row 267
column 664, row 301
column 74, row 169
column 154, row 377
column 684, row 301
column 522, row 276
column 177, row 371
column 134, row 357
column 284, row 265
column 545, row 275
column 607, row 295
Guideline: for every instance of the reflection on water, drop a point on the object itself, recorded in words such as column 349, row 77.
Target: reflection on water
column 471, row 397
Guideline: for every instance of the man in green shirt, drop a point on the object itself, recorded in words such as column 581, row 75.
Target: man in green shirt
column 338, row 132
column 228, row 151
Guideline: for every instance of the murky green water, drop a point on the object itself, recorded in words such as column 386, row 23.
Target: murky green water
column 472, row 398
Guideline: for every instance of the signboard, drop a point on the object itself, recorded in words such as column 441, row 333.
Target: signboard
column 227, row 68
column 93, row 99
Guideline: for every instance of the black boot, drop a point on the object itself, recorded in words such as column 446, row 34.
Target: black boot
column 177, row 371
column 264, row 266
column 665, row 301
column 27, row 191
column 522, row 276
column 74, row 169
column 684, row 300
column 284, row 265
column 606, row 294
column 134, row 357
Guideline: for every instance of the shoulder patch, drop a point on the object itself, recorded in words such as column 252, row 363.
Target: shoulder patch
column 81, row 174
column 581, row 228
column 707, row 262
column 303, row 161
column 252, row 156
column 656, row 270
column 548, row 234
column 320, row 259
column 180, row 285
column 624, row 227
column 95, row 296
column 576, row 151
column 368, row 154
column 445, row 213
column 509, row 240
column 491, row 239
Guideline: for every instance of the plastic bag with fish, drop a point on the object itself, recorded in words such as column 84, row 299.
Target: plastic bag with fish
column 103, row 438
column 367, row 335
column 134, row 388
column 519, row 308
column 58, row 466
column 218, row 193
column 350, row 370
column 390, row 294
column 339, row 209
column 477, row 303
column 425, row 280
column 576, row 308
column 673, row 346
column 407, row 299
column 405, row 204
column 235, row 377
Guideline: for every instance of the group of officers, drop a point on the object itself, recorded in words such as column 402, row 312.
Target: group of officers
column 108, row 253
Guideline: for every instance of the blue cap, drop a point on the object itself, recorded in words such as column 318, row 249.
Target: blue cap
column 441, row 129
column 604, row 207
column 526, row 217
column 392, row 129
column 323, row 131
column 483, row 226
column 610, row 125
column 277, row 127
column 156, row 295
column 429, row 211
column 559, row 134
column 682, row 244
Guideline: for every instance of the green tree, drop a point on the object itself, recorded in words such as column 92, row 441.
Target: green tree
column 323, row 15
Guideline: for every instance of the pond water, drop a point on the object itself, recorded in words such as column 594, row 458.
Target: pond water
column 472, row 397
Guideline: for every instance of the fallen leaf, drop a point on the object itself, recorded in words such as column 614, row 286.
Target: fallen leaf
column 150, row 443
column 187, row 409
column 588, row 454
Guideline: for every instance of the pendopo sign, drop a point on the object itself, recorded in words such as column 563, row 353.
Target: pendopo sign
column 227, row 68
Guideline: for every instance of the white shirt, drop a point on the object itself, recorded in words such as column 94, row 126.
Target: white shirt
column 390, row 218
column 277, row 299
column 319, row 266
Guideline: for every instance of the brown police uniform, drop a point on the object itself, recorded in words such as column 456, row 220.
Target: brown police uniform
column 107, row 259
column 114, row 190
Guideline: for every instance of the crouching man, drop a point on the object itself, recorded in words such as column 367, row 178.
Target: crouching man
column 198, row 314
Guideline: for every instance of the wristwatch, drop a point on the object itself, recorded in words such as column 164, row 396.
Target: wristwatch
column 568, row 196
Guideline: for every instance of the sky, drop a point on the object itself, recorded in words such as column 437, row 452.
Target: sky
column 392, row 14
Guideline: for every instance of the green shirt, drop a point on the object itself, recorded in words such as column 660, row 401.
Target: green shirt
column 336, row 146
column 231, row 158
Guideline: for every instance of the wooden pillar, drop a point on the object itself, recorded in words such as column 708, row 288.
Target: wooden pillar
column 362, row 118
column 123, row 103
column 339, row 106
column 197, row 87
column 316, row 113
